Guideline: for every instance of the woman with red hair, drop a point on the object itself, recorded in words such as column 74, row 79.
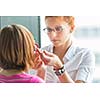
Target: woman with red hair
column 65, row 61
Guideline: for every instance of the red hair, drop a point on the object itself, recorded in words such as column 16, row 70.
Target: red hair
column 68, row 19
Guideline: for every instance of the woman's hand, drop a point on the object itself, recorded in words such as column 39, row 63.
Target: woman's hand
column 50, row 59
column 39, row 65
column 43, row 58
column 38, row 62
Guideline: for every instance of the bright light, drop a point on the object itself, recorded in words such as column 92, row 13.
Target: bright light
column 87, row 21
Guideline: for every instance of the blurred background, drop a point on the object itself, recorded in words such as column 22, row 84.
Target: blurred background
column 87, row 33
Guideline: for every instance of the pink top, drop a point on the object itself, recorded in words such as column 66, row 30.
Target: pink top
column 20, row 78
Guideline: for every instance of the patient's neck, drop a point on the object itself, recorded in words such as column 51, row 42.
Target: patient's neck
column 11, row 72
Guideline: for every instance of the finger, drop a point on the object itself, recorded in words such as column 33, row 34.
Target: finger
column 38, row 65
column 48, row 53
column 37, row 45
column 45, row 58
column 36, row 54
column 37, row 60
column 39, row 51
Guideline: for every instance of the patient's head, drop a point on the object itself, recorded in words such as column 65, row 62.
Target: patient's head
column 16, row 47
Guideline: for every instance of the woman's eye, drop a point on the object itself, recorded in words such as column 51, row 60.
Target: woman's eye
column 49, row 30
column 58, row 29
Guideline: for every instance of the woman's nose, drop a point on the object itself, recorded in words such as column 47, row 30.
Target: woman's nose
column 53, row 34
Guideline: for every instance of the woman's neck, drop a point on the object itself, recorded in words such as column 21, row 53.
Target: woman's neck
column 61, row 50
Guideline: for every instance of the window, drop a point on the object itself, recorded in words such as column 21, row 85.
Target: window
column 31, row 22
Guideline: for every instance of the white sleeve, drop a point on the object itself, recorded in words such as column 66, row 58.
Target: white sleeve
column 86, row 68
column 50, row 76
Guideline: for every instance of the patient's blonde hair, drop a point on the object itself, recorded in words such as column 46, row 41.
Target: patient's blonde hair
column 16, row 47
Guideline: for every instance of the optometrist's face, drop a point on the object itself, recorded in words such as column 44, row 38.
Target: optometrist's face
column 58, row 31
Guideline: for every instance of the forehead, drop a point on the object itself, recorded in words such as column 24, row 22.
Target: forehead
column 54, row 21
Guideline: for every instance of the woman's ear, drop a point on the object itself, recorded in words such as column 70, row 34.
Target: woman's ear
column 72, row 28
